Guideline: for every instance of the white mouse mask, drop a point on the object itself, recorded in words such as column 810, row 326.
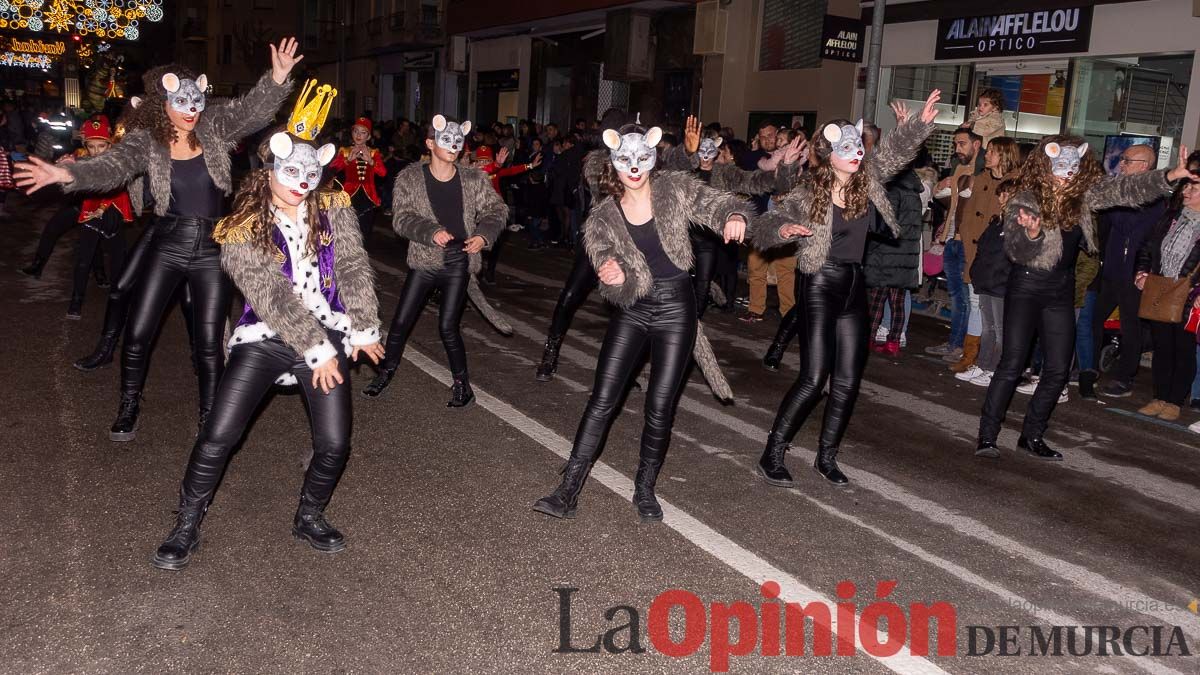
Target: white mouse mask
column 1065, row 159
column 449, row 135
column 709, row 149
column 633, row 154
column 298, row 165
column 846, row 140
column 185, row 96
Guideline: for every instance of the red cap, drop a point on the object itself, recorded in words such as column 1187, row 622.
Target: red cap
column 97, row 127
column 364, row 123
column 483, row 152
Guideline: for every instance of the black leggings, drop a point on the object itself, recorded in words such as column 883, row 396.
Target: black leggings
column 184, row 252
column 364, row 208
column 63, row 221
column 89, row 240
column 120, row 293
column 1051, row 318
column 451, row 280
column 831, row 313
column 1174, row 364
column 580, row 282
column 664, row 324
column 706, row 246
column 252, row 370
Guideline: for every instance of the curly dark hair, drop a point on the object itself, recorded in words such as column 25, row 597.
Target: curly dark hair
column 151, row 114
column 254, row 199
column 994, row 96
column 821, row 181
column 1061, row 206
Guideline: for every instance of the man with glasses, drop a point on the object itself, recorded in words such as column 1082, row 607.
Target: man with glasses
column 1122, row 230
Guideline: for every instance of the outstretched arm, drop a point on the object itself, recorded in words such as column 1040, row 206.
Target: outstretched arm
column 900, row 147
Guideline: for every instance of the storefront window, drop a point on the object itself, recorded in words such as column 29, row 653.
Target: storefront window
column 1033, row 96
column 1139, row 96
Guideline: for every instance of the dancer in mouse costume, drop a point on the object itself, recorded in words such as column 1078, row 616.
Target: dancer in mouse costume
column 1045, row 225
column 296, row 254
column 182, row 144
column 638, row 243
column 829, row 214
column 449, row 214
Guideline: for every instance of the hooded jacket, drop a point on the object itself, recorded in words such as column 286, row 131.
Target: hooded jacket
column 895, row 263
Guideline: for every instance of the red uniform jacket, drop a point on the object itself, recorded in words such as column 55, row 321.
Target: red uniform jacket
column 359, row 175
column 496, row 173
column 94, row 207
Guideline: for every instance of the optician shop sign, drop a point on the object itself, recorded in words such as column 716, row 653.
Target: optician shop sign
column 1052, row 31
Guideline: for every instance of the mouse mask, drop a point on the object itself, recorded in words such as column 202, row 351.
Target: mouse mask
column 298, row 165
column 633, row 154
column 185, row 96
column 709, row 149
column 846, row 140
column 1065, row 159
column 450, row 136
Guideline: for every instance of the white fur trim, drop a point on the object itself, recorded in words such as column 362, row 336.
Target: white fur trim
column 318, row 354
column 363, row 338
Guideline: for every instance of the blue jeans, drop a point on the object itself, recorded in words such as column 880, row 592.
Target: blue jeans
column 954, row 258
column 1084, row 344
column 887, row 314
column 1196, row 382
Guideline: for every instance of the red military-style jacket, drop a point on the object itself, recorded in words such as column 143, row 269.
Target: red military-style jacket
column 359, row 175
column 95, row 206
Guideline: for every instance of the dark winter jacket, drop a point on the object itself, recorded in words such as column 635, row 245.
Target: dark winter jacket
column 895, row 262
column 1149, row 256
column 1122, row 231
column 989, row 272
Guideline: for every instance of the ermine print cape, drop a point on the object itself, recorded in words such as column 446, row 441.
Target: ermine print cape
column 897, row 150
column 220, row 127
column 679, row 199
column 298, row 296
column 1044, row 252
column 484, row 213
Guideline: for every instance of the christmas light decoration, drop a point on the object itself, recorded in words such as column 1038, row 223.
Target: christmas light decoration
column 112, row 19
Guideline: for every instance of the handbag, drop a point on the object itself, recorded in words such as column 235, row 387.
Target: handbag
column 1163, row 298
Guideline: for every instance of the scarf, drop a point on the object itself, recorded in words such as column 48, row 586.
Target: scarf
column 1178, row 243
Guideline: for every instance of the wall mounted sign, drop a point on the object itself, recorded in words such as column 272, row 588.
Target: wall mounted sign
column 1056, row 31
column 842, row 39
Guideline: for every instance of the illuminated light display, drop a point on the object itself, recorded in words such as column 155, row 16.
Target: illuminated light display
column 112, row 19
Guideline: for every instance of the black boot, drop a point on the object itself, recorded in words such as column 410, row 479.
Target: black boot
column 774, row 355
column 35, row 269
column 987, row 449
column 125, row 427
column 101, row 356
column 1038, row 448
column 772, row 467
column 461, row 394
column 75, row 307
column 311, row 526
column 382, row 379
column 562, row 502
column 1087, row 384
column 549, row 365
column 643, row 487
column 100, row 276
column 176, row 551
column 827, row 466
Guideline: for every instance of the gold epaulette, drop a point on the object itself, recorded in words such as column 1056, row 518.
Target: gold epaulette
column 335, row 199
column 229, row 231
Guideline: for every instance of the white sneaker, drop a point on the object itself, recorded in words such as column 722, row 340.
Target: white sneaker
column 1063, row 398
column 969, row 374
column 1029, row 387
column 1194, row 428
column 881, row 334
column 904, row 340
column 984, row 379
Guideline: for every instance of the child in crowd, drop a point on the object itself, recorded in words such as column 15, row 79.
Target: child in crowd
column 987, row 119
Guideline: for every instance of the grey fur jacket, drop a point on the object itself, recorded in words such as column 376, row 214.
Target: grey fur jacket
column 256, row 273
column 221, row 126
column 895, row 152
column 675, row 159
column 730, row 178
column 1044, row 252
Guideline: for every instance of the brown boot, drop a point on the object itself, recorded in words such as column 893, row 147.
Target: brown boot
column 1169, row 412
column 970, row 352
column 1153, row 408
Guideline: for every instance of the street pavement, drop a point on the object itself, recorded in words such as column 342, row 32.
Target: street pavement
column 448, row 569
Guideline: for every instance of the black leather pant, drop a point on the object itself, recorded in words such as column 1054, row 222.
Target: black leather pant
column 89, row 241
column 706, row 246
column 120, row 293
column 181, row 251
column 252, row 371
column 1029, row 311
column 451, row 280
column 831, row 307
column 580, row 283
column 365, row 209
column 63, row 221
column 664, row 324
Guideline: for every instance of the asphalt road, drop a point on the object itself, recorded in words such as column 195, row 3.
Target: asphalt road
column 448, row 569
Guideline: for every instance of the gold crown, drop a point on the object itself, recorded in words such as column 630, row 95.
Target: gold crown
column 309, row 114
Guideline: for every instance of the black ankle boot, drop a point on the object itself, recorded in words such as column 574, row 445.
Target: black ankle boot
column 75, row 307
column 125, row 426
column 183, row 541
column 35, row 270
column 562, row 502
column 101, row 356
column 549, row 364
column 772, row 467
column 1038, row 448
column 311, row 526
column 774, row 356
column 826, row 465
column 643, row 488
column 382, row 379
column 1087, row 384
column 987, row 449
column 461, row 394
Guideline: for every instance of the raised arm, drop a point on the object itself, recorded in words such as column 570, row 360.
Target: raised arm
column 678, row 159
column 235, row 119
column 900, row 147
column 1135, row 190
column 103, row 173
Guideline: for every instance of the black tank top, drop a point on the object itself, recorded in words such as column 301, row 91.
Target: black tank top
column 645, row 237
column 193, row 192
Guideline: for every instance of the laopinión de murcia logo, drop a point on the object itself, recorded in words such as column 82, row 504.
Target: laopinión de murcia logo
column 882, row 628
